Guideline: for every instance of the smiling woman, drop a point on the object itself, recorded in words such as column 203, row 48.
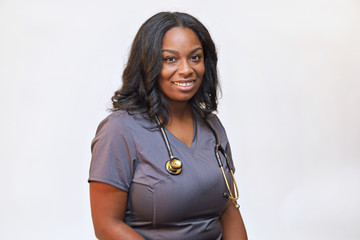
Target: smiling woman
column 168, row 96
column 183, row 65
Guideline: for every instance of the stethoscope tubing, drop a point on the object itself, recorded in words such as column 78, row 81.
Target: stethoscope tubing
column 177, row 169
column 166, row 140
column 218, row 144
column 167, row 143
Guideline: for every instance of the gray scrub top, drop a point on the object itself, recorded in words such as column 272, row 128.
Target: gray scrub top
column 129, row 155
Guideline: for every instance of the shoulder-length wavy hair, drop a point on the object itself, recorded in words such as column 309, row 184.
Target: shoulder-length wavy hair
column 140, row 91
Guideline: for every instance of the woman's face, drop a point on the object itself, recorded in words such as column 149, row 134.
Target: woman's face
column 182, row 66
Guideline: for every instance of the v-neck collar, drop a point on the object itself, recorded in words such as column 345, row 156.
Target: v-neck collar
column 181, row 143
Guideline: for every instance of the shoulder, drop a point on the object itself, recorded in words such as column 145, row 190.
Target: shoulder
column 115, row 128
column 122, row 121
column 123, row 125
column 214, row 119
column 114, row 119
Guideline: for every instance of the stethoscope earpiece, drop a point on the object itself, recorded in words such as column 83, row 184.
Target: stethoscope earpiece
column 173, row 166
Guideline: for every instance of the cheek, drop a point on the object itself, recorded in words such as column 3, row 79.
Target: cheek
column 167, row 72
column 201, row 70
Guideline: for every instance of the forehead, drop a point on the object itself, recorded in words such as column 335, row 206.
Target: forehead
column 180, row 37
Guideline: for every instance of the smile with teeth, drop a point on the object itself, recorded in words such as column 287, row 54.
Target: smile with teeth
column 184, row 84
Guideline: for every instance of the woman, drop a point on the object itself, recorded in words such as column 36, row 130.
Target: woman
column 164, row 109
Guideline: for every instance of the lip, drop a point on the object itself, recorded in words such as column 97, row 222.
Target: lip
column 184, row 84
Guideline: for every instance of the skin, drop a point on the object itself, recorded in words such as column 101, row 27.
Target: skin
column 180, row 78
column 232, row 224
column 108, row 205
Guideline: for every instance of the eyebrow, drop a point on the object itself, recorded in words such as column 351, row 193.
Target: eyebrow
column 174, row 51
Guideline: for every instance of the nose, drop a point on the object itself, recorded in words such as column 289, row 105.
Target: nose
column 184, row 68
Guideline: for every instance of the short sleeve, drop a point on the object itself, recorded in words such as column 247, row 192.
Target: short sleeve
column 113, row 154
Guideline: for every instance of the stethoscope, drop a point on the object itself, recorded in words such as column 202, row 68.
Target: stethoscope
column 174, row 165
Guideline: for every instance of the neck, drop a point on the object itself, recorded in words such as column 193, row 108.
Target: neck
column 179, row 111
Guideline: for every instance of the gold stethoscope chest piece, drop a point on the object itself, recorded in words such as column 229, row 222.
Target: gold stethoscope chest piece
column 174, row 165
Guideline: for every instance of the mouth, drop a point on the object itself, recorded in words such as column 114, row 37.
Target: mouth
column 184, row 83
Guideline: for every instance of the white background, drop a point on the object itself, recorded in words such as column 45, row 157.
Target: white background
column 290, row 77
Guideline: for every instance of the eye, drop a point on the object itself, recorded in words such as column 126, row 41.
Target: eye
column 169, row 59
column 196, row 58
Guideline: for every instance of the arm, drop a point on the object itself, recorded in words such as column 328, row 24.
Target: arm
column 108, row 205
column 232, row 224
